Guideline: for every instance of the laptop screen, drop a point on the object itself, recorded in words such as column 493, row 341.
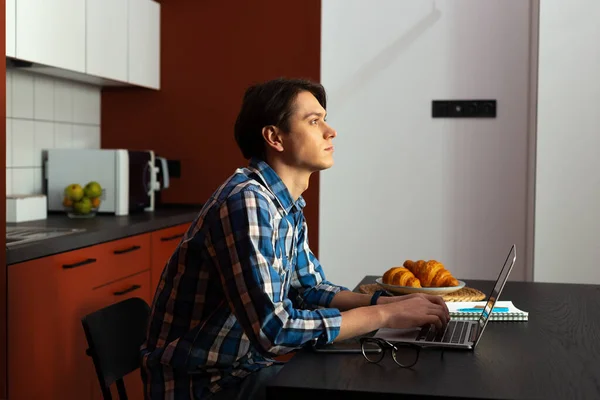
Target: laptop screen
column 493, row 297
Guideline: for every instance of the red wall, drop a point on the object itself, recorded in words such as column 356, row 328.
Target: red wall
column 210, row 52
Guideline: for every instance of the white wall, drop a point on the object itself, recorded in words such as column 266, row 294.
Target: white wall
column 567, row 219
column 406, row 186
column 44, row 112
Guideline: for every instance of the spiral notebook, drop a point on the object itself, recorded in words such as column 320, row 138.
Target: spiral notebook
column 471, row 310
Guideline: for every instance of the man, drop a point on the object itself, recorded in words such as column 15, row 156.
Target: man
column 243, row 285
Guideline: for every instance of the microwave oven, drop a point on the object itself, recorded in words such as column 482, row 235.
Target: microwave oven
column 128, row 178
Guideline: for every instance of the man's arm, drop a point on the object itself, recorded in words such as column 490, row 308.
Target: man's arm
column 347, row 300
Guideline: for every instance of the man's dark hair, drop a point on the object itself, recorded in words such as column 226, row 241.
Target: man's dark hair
column 269, row 103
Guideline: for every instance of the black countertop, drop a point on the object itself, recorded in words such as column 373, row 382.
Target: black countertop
column 100, row 229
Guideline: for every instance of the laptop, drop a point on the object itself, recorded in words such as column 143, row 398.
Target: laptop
column 458, row 334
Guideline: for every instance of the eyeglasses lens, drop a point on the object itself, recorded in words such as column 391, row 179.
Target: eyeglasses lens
column 406, row 356
column 372, row 351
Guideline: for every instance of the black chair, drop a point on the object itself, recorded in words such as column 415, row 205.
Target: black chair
column 114, row 335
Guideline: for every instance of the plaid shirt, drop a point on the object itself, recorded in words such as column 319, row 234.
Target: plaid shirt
column 241, row 287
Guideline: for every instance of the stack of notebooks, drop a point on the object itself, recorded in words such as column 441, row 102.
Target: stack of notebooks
column 471, row 310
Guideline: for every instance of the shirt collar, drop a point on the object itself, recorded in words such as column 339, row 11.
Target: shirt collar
column 275, row 185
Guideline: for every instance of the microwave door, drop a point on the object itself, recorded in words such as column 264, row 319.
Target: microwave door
column 139, row 180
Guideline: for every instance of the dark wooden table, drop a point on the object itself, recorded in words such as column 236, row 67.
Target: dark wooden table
column 554, row 355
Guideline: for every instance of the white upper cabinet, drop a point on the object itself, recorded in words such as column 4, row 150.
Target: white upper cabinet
column 51, row 33
column 10, row 27
column 106, row 39
column 106, row 46
column 96, row 41
column 144, row 43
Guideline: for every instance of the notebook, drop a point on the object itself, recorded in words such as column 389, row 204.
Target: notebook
column 471, row 310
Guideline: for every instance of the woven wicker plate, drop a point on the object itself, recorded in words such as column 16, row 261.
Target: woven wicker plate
column 464, row 294
column 429, row 290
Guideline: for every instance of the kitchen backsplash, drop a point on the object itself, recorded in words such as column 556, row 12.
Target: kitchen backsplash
column 44, row 112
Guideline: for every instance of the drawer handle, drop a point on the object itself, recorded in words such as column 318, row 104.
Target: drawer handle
column 127, row 250
column 79, row 264
column 169, row 238
column 129, row 289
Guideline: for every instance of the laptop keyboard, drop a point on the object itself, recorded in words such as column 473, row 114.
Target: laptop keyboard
column 455, row 332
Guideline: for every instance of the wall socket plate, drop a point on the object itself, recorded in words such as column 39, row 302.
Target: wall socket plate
column 463, row 109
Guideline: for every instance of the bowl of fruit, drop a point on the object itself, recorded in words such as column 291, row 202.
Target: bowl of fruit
column 82, row 201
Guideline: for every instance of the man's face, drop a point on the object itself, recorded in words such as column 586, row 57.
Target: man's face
column 308, row 145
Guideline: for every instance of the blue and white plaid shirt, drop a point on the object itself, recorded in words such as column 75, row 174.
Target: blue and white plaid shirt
column 242, row 287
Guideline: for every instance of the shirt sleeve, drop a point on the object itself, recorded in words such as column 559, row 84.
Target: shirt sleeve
column 311, row 288
column 253, row 279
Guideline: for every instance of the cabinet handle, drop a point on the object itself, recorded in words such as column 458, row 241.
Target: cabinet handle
column 79, row 264
column 168, row 238
column 129, row 289
column 127, row 250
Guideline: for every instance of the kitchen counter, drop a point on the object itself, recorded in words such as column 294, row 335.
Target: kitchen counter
column 100, row 229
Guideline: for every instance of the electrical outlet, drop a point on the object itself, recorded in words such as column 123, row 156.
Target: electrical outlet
column 463, row 109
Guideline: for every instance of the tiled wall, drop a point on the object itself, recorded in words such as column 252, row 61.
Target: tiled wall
column 45, row 112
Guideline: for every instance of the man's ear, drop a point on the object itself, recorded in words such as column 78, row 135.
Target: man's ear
column 272, row 136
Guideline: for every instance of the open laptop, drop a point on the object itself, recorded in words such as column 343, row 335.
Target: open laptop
column 458, row 334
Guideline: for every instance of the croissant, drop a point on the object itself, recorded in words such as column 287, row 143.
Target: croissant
column 400, row 276
column 431, row 273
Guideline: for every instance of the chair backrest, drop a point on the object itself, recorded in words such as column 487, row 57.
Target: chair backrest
column 114, row 335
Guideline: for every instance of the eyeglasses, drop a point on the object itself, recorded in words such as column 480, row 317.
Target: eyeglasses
column 405, row 355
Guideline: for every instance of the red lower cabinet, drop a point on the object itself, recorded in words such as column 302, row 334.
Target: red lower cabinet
column 46, row 344
column 48, row 297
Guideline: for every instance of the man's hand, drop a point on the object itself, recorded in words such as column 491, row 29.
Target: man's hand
column 414, row 310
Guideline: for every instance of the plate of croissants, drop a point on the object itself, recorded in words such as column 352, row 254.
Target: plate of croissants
column 420, row 277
